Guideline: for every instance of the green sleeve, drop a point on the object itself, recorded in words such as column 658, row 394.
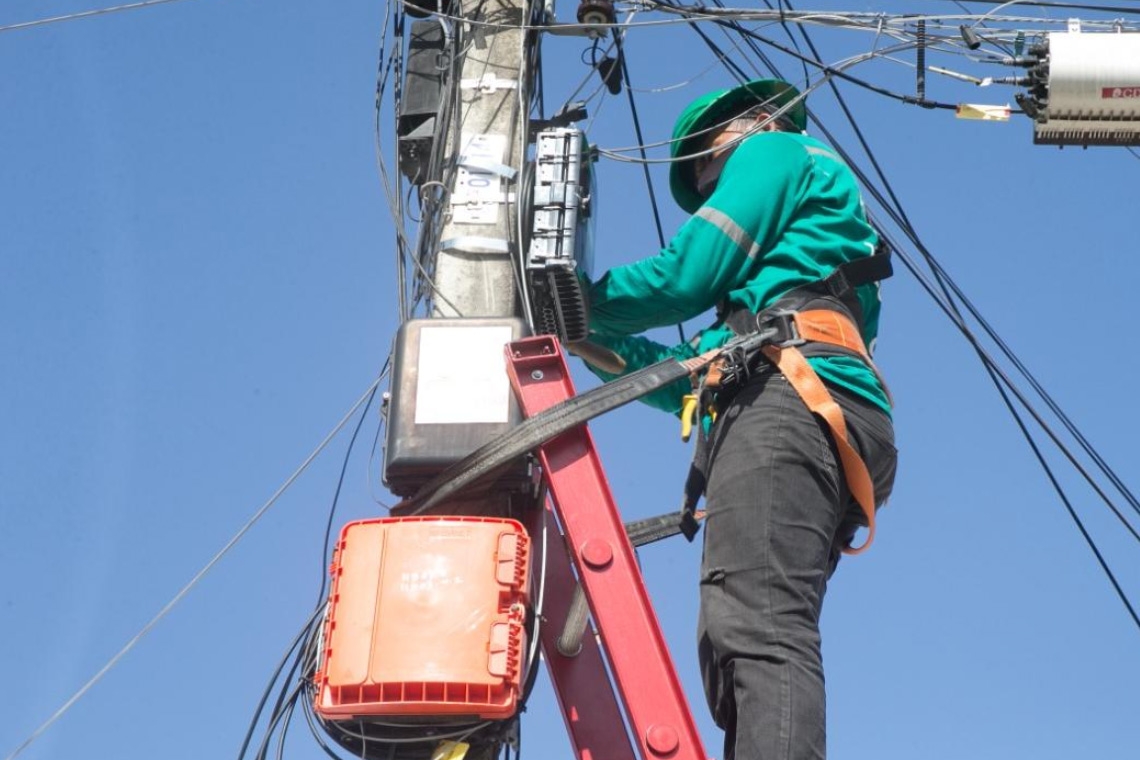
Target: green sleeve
column 640, row 352
column 715, row 251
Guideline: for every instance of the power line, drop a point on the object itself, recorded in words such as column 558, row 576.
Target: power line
column 84, row 14
column 1001, row 381
column 197, row 577
column 1074, row 6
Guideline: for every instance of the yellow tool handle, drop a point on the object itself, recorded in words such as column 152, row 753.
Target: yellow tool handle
column 689, row 412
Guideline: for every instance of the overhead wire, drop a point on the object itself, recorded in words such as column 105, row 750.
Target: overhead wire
column 383, row 70
column 281, row 664
column 998, row 378
column 304, row 654
column 990, row 365
column 625, row 78
column 287, row 699
column 1074, row 6
column 197, row 578
column 84, row 14
column 616, row 153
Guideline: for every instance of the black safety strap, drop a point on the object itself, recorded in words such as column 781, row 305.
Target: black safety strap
column 534, row 431
column 650, row 529
column 836, row 291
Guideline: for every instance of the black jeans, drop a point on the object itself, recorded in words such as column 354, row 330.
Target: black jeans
column 779, row 513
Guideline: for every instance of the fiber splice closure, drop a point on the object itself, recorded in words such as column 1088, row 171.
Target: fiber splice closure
column 1084, row 89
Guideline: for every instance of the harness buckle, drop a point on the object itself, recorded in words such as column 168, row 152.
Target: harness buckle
column 780, row 329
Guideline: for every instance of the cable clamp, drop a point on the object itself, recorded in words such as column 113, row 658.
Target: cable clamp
column 476, row 244
column 488, row 83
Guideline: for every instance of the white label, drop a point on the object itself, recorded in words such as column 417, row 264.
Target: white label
column 463, row 375
column 478, row 193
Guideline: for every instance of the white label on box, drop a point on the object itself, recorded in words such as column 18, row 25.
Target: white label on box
column 463, row 375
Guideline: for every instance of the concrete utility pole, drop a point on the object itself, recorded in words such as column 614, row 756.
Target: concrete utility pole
column 474, row 270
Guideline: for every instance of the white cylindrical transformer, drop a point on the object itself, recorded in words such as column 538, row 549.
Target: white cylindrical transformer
column 1093, row 90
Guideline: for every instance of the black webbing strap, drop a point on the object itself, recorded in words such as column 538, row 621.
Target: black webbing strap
column 542, row 427
column 852, row 274
column 836, row 292
column 650, row 529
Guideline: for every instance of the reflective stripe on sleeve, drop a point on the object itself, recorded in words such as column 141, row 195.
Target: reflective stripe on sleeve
column 730, row 229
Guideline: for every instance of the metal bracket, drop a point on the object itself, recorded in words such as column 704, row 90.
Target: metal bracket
column 476, row 244
column 488, row 83
column 487, row 166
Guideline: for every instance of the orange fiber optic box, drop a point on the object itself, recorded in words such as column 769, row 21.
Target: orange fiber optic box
column 426, row 617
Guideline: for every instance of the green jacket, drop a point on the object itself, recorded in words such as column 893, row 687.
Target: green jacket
column 786, row 212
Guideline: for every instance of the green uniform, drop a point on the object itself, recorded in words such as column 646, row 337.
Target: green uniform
column 786, row 212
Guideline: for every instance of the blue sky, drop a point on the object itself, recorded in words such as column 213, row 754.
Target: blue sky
column 197, row 281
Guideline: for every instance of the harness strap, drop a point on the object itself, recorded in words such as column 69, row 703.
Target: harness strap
column 651, row 529
column 825, row 326
column 830, row 327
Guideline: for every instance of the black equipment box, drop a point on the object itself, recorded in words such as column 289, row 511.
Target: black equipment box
column 449, row 395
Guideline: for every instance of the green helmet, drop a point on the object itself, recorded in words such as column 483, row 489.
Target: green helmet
column 713, row 108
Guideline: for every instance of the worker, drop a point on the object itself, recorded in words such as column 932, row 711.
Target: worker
column 774, row 214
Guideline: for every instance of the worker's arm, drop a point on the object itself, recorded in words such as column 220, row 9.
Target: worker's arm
column 716, row 251
column 639, row 352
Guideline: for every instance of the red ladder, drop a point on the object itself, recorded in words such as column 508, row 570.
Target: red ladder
column 598, row 549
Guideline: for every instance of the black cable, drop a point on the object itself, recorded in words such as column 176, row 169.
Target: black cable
column 788, row 31
column 990, row 364
column 269, row 687
column 1076, row 6
column 284, row 700
column 740, row 74
column 317, row 731
column 987, row 361
column 942, row 278
column 1068, row 505
column 398, row 212
column 287, row 695
column 899, row 217
column 284, row 730
column 308, row 626
column 838, row 73
column 339, row 485
column 950, row 309
column 1054, row 407
column 824, row 68
column 619, row 43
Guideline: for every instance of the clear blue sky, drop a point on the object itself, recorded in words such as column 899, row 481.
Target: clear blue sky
column 197, row 281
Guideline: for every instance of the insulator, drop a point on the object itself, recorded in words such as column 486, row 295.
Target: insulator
column 596, row 12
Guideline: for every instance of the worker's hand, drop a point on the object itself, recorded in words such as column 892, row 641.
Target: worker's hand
column 598, row 356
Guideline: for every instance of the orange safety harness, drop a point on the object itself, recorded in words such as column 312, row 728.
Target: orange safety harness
column 835, row 329
column 827, row 324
